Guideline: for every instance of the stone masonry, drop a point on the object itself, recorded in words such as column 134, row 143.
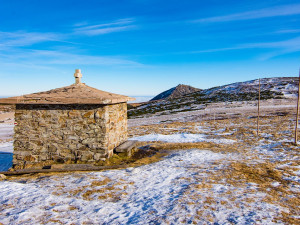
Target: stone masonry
column 56, row 133
column 72, row 124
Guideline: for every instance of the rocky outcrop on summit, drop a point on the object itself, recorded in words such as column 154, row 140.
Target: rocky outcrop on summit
column 276, row 87
column 176, row 92
column 271, row 88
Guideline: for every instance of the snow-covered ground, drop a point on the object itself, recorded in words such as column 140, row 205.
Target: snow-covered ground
column 165, row 192
column 6, row 147
column 181, row 138
column 241, row 179
column 213, row 111
column 6, row 131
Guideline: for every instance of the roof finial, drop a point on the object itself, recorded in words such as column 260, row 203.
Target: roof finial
column 77, row 76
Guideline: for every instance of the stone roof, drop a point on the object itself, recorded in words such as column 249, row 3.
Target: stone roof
column 77, row 93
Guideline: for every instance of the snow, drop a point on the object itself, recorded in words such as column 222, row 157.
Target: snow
column 208, row 112
column 6, row 147
column 157, row 193
column 181, row 138
column 165, row 192
column 6, row 131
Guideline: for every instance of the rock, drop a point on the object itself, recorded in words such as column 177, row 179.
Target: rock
column 2, row 177
column 126, row 146
column 99, row 156
column 176, row 92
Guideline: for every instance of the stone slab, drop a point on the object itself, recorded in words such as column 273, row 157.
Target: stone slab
column 33, row 171
column 74, row 166
column 126, row 146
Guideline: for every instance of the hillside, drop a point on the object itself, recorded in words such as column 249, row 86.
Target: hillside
column 176, row 92
column 271, row 88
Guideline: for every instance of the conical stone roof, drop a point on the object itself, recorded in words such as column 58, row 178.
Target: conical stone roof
column 78, row 93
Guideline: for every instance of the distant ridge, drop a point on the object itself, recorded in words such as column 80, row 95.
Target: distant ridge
column 271, row 88
column 176, row 92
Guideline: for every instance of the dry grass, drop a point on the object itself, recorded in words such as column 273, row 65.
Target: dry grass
column 255, row 168
column 265, row 174
column 105, row 181
column 252, row 167
column 258, row 173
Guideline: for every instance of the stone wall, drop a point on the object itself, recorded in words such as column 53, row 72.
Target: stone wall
column 47, row 134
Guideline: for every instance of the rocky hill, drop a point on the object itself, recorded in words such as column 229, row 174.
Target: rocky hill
column 271, row 88
column 176, row 92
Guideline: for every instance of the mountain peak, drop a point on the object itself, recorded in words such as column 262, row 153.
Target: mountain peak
column 176, row 92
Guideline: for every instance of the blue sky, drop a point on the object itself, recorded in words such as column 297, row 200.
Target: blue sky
column 143, row 47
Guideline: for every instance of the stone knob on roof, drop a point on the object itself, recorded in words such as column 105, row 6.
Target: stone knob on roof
column 77, row 76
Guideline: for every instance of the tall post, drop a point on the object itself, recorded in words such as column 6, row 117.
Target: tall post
column 258, row 107
column 297, row 114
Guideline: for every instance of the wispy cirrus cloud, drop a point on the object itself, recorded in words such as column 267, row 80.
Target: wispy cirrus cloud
column 287, row 31
column 59, row 57
column 277, row 48
column 12, row 43
column 47, row 58
column 284, row 10
column 104, row 28
column 273, row 49
column 23, row 38
column 293, row 43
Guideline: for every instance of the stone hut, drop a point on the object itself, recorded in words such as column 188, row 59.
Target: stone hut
column 73, row 124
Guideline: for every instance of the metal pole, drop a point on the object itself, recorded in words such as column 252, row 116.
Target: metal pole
column 297, row 114
column 258, row 105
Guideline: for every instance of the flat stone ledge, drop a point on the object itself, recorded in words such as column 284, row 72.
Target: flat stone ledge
column 70, row 168
column 73, row 167
column 126, row 146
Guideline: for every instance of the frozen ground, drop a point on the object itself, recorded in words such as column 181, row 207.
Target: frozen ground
column 167, row 192
column 240, row 179
column 6, row 147
column 181, row 138
column 6, row 131
column 222, row 110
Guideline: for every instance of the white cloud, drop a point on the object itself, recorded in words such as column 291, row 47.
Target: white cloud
column 105, row 28
column 217, row 50
column 22, row 38
column 288, row 31
column 43, row 57
column 278, row 48
column 12, row 53
column 293, row 43
column 93, row 32
column 114, row 23
column 284, row 10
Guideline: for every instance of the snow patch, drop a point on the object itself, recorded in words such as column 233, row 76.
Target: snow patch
column 157, row 193
column 6, row 147
column 154, row 192
column 181, row 138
